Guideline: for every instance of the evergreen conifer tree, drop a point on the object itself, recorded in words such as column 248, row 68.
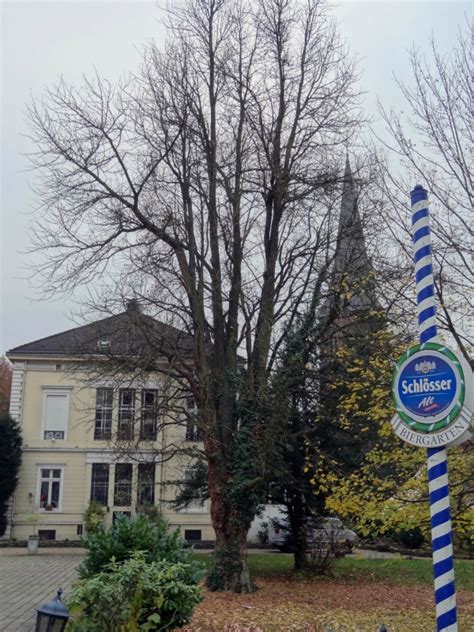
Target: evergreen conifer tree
column 10, row 462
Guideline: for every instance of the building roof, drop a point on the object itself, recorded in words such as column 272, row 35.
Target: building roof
column 128, row 333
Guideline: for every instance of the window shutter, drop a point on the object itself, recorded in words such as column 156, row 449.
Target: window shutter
column 56, row 412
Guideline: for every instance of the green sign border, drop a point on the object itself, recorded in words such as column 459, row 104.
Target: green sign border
column 455, row 410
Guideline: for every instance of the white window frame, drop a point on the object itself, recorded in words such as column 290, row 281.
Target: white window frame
column 132, row 409
column 49, row 466
column 56, row 390
column 116, row 483
column 145, row 409
column 137, row 491
column 100, row 462
column 193, row 509
column 104, row 409
column 192, row 432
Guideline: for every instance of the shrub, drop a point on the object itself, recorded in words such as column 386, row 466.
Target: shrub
column 410, row 538
column 321, row 558
column 34, row 520
column 127, row 535
column 151, row 511
column 94, row 517
column 135, row 595
column 464, row 538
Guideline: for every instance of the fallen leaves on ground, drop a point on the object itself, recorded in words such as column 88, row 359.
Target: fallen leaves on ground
column 282, row 605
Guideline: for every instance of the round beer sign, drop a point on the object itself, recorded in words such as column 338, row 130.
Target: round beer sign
column 429, row 390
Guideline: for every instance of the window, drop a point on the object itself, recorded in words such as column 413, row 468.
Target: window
column 146, row 484
column 126, row 413
column 55, row 413
column 149, row 414
column 100, row 483
column 47, row 534
column 123, row 485
column 50, row 493
column 193, row 433
column 193, row 534
column 103, row 413
column 197, row 505
column 103, row 345
column 79, row 529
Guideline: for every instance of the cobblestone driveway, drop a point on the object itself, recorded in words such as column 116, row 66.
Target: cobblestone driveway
column 28, row 581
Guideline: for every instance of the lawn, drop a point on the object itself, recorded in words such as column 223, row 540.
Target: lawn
column 353, row 569
column 359, row 596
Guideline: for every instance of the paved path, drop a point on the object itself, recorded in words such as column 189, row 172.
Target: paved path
column 28, row 581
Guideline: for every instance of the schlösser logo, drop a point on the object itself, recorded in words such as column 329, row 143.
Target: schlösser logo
column 427, row 388
column 434, row 398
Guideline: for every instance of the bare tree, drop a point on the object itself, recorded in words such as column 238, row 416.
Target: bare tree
column 431, row 142
column 5, row 384
column 204, row 181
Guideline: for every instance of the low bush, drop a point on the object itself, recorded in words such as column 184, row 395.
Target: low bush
column 94, row 517
column 321, row 558
column 410, row 538
column 125, row 537
column 152, row 512
column 136, row 595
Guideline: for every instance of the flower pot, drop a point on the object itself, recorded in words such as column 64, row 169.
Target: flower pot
column 33, row 541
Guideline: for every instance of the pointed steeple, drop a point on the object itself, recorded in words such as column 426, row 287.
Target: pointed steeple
column 351, row 288
column 351, row 254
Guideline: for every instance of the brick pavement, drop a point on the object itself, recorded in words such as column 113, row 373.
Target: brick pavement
column 28, row 581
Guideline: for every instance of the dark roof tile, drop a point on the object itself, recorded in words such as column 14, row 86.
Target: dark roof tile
column 129, row 333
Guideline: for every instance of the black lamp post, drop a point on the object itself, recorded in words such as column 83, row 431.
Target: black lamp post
column 53, row 616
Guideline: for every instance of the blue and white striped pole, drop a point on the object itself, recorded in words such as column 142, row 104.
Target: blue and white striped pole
column 441, row 534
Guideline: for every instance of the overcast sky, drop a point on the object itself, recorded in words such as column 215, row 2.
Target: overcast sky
column 42, row 40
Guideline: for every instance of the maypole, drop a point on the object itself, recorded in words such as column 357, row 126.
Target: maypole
column 432, row 392
column 441, row 532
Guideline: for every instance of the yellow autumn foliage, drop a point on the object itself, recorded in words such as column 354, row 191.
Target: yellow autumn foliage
column 389, row 491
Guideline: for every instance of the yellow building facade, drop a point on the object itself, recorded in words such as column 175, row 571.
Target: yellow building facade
column 90, row 439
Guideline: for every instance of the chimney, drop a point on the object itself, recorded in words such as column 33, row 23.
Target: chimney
column 133, row 306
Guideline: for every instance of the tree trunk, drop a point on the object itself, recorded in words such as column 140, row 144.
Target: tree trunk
column 229, row 569
column 297, row 519
column 300, row 556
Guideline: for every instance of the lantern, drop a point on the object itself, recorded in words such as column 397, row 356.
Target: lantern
column 53, row 616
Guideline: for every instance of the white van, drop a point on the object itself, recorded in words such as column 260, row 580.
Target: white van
column 321, row 532
column 263, row 523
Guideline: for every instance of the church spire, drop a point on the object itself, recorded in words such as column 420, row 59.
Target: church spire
column 351, row 252
column 352, row 284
